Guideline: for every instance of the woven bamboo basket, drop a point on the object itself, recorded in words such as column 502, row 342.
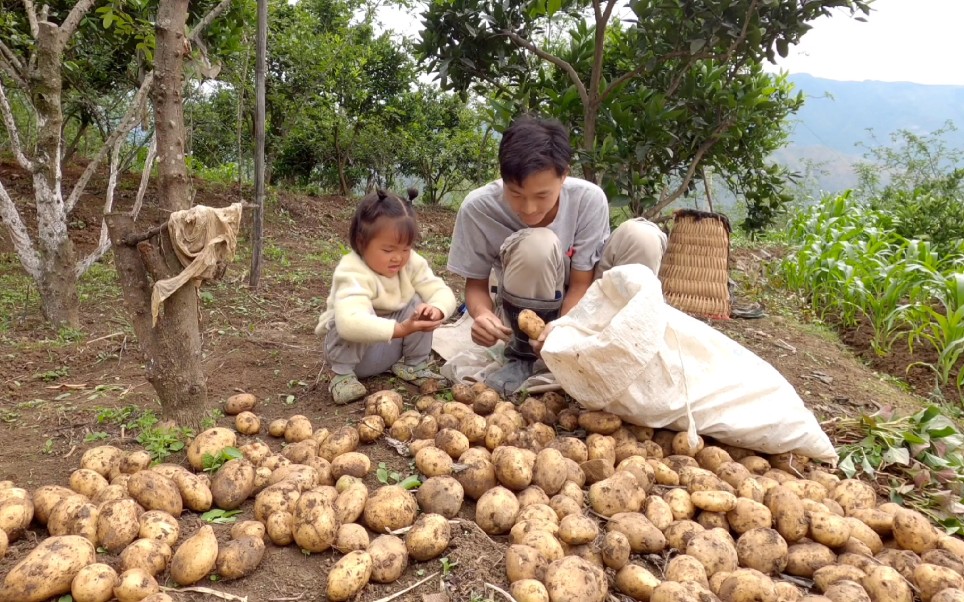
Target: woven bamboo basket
column 694, row 271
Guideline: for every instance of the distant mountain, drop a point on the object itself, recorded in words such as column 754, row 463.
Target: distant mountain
column 838, row 116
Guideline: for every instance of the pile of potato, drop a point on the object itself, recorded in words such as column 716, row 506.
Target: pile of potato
column 581, row 514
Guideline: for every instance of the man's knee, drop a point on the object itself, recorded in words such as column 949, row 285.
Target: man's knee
column 639, row 241
column 532, row 249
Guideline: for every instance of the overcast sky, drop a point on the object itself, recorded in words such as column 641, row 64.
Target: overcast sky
column 902, row 40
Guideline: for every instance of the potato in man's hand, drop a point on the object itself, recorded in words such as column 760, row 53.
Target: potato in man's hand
column 531, row 323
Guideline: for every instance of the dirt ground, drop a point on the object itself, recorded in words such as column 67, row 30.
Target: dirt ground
column 62, row 392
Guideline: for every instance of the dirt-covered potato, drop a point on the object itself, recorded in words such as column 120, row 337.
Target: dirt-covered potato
column 943, row 558
column 617, row 494
column 149, row 554
column 352, row 463
column 433, row 462
column 615, row 550
column 713, row 501
column 572, row 578
column 531, row 324
column 762, row 549
column 428, row 537
column 156, row 525
column 351, row 537
column 747, row 585
column 885, row 584
column 680, row 504
column 603, row 423
column 513, row 467
column 529, row 590
column 350, row 503
column 715, row 551
column 134, row 461
column 94, row 583
column 601, row 447
column 242, row 402
column 451, row 442
column 298, row 429
column 370, row 429
column 278, row 525
column 390, row 508
column 239, row 557
column 931, row 579
column 209, row 442
column 564, row 506
column 280, row 497
column 496, row 511
column 48, row 570
column 195, row 558
column 686, row 568
column 545, row 542
column 643, row 536
column 577, row 529
column 636, row 582
column 549, row 471
column 103, row 459
column 748, row 515
column 248, row 528
column 478, row 478
column 276, row 428
column 852, row 494
column 387, row 403
column 247, row 423
column 46, row 498
column 315, row 522
column 118, row 524
column 805, row 558
column 389, row 558
column 232, row 484
column 134, row 585
column 441, row 495
column 913, row 531
column 826, row 576
column 342, row 441
column 16, row 512
column 788, row 512
column 846, row 591
column 829, row 529
column 154, row 491
column 349, row 576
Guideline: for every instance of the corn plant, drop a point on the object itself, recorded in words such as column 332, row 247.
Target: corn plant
column 943, row 326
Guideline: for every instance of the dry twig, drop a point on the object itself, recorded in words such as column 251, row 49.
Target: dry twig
column 496, row 588
column 409, row 588
column 208, row 592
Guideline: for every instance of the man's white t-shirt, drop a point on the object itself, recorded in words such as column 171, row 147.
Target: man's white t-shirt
column 485, row 220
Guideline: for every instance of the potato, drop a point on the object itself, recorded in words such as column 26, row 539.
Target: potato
column 755, row 464
column 298, row 429
column 477, row 479
column 4, row 544
column 351, row 537
column 349, row 576
column 913, row 531
column 599, row 422
column 156, row 525
column 440, row 495
column 712, row 457
column 154, row 491
column 209, row 442
column 572, row 578
column 46, row 498
column 280, row 497
column 279, row 526
column 149, row 554
column 232, row 484
column 577, row 529
column 390, row 508
column 531, row 324
column 619, row 493
column 529, row 590
column 680, row 504
column 644, row 538
column 763, row 550
column 16, row 512
column 104, row 460
column 48, row 569
column 389, row 558
column 931, row 578
column 949, row 595
column 846, row 591
column 680, row 532
column 158, row 597
column 747, row 585
column 242, row 402
column 826, row 576
column 657, row 510
column 805, row 558
column 239, row 557
column 615, row 550
column 387, row 405
column 748, row 515
column 119, row 522
column 350, row 503
column 829, row 529
column 94, row 583
column 786, row 592
column 713, row 501
column 636, row 582
column 135, row 461
column 87, row 482
column 340, row 442
column 686, row 568
column 428, row 537
column 715, row 551
column 276, row 428
column 315, row 522
column 545, row 542
column 352, row 463
column 247, row 423
column 134, row 585
column 788, row 512
column 852, row 494
column 248, row 528
column 195, row 558
column 863, row 533
column 549, row 471
column 451, row 442
column 496, row 511
column 885, row 584
column 881, row 522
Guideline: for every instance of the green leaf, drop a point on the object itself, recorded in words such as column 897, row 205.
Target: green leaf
column 220, row 517
column 897, row 455
column 411, row 482
column 697, row 45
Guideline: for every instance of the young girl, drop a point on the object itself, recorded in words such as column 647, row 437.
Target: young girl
column 384, row 301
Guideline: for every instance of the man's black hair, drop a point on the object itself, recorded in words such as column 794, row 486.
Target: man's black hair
column 531, row 145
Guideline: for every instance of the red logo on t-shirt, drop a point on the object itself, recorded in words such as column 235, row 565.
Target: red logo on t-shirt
column 571, row 252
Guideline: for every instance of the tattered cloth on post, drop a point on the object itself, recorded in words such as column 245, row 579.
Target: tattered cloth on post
column 202, row 238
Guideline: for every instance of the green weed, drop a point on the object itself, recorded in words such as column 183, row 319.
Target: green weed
column 213, row 463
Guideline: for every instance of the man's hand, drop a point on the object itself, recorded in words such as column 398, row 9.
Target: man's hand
column 487, row 329
column 538, row 343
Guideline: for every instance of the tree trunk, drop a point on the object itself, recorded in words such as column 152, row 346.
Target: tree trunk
column 172, row 348
column 257, row 230
column 340, row 162
column 58, row 284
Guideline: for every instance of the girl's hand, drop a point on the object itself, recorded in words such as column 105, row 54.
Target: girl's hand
column 429, row 313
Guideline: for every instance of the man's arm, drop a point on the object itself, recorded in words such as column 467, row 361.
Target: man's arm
column 487, row 328
column 579, row 282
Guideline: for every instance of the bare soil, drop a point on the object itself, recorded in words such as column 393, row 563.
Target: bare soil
column 57, row 388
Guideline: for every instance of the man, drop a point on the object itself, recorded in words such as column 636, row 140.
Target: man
column 537, row 238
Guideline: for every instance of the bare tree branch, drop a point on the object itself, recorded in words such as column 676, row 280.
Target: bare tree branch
column 104, row 243
column 19, row 235
column 32, row 17
column 12, row 132
column 145, row 176
column 610, row 6
column 12, row 65
column 128, row 122
column 558, row 62
column 666, row 200
column 70, row 24
column 596, row 11
column 209, row 18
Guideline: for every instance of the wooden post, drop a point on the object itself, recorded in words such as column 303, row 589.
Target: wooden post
column 257, row 233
